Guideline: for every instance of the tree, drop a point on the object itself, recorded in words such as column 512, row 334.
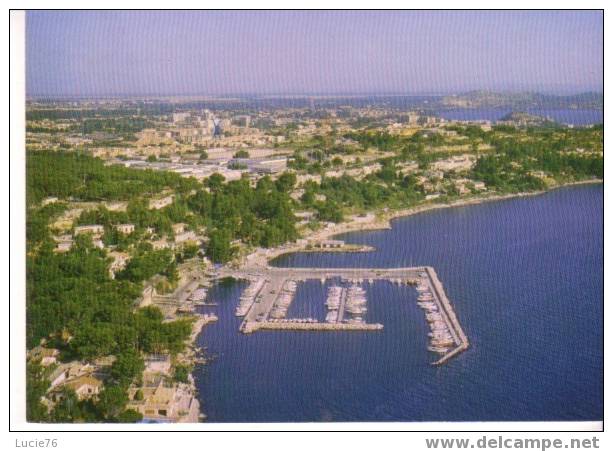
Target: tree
column 36, row 387
column 387, row 173
column 156, row 336
column 145, row 265
column 94, row 340
column 308, row 197
column 68, row 409
column 237, row 165
column 215, row 181
column 77, row 175
column 241, row 154
column 128, row 366
column 112, row 402
column 172, row 274
column 219, row 248
column 129, row 416
column 329, row 211
column 286, row 182
column 190, row 250
column 182, row 373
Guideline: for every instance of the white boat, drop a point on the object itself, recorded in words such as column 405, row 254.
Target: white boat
column 332, row 316
column 442, row 342
column 438, row 325
column 438, row 349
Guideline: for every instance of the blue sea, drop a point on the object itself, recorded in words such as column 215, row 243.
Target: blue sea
column 577, row 117
column 525, row 276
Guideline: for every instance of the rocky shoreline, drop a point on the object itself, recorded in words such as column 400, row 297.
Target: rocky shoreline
column 377, row 221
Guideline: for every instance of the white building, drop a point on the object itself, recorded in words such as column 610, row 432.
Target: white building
column 64, row 245
column 156, row 204
column 180, row 117
column 178, row 228
column 456, row 163
column 160, row 244
column 120, row 259
column 125, row 228
column 85, row 387
column 185, row 236
column 93, row 229
column 49, row 200
column 45, row 356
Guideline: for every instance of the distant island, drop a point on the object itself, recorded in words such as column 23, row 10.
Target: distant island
column 526, row 119
column 523, row 100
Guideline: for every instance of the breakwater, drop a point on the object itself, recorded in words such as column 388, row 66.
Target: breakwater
column 309, row 326
column 448, row 315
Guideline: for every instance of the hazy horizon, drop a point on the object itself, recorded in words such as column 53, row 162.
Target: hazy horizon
column 95, row 54
column 230, row 96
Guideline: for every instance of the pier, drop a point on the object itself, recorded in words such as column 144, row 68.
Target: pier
column 341, row 307
column 397, row 275
column 317, row 326
column 447, row 315
column 265, row 302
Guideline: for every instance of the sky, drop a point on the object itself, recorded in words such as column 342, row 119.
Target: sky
column 97, row 53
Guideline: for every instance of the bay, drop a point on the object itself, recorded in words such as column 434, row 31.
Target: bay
column 525, row 277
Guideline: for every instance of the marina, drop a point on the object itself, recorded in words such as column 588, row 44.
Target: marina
column 265, row 302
